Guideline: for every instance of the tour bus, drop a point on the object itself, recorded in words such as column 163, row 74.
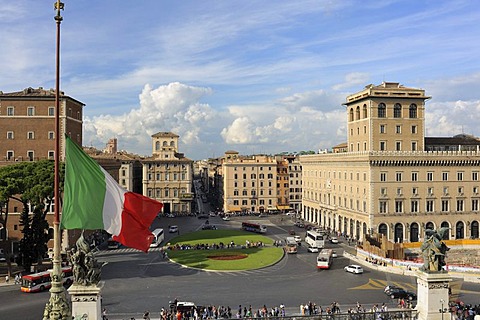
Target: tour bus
column 158, row 237
column 315, row 239
column 40, row 281
column 291, row 245
column 325, row 259
column 254, row 227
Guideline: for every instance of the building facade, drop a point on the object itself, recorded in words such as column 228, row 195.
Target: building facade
column 391, row 181
column 168, row 175
column 27, row 124
column 249, row 183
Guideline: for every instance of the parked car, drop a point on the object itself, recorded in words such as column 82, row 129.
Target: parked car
column 401, row 294
column 312, row 249
column 354, row 268
column 209, row 227
column 333, row 240
column 173, row 229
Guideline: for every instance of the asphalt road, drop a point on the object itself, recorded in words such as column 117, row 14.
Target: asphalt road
column 135, row 282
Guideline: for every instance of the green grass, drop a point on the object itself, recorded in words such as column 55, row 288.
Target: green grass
column 258, row 257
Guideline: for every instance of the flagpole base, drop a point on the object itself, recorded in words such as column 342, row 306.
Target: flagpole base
column 57, row 306
column 86, row 301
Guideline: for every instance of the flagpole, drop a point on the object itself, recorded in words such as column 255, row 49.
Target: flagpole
column 57, row 306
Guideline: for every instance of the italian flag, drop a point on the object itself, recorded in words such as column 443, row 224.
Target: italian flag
column 94, row 200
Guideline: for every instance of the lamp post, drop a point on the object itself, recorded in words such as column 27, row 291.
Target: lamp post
column 57, row 306
column 442, row 310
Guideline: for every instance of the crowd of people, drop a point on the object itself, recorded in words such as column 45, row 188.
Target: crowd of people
column 214, row 246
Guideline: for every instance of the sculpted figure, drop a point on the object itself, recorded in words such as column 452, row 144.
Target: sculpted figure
column 434, row 250
column 86, row 270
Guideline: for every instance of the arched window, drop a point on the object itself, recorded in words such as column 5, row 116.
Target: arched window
column 357, row 114
column 398, row 233
column 382, row 110
column 157, row 145
column 165, row 143
column 412, row 111
column 351, row 114
column 414, row 232
column 383, row 229
column 474, row 230
column 397, row 110
column 430, row 225
column 460, row 230
column 364, row 111
column 172, row 144
column 445, row 224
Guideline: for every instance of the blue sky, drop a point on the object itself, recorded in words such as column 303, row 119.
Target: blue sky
column 252, row 76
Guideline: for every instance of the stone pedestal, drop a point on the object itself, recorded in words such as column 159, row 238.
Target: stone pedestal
column 432, row 295
column 86, row 301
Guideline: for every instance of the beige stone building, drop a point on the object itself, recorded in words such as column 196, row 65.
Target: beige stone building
column 295, row 182
column 393, row 180
column 249, row 183
column 168, row 175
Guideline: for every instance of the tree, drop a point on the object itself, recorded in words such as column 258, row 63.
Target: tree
column 31, row 183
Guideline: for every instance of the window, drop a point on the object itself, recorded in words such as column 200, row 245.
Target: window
column 475, row 190
column 475, row 176
column 430, row 191
column 460, row 176
column 445, row 176
column 382, row 110
column 397, row 110
column 414, row 206
column 10, row 155
column 398, row 176
column 51, row 154
column 474, row 204
column 30, row 135
column 383, row 145
column 30, row 111
column 382, row 206
column 30, row 155
column 398, row 129
column 414, row 176
column 414, row 129
column 445, row 205
column 398, row 206
column 445, row 191
column 10, row 111
column 10, row 135
column 415, row 191
column 382, row 128
column 383, row 191
column 399, row 192
column 383, row 176
column 429, row 206
column 429, row 176
column 460, row 203
column 412, row 111
column 398, row 146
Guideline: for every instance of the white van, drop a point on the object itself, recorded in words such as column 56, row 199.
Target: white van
column 158, row 237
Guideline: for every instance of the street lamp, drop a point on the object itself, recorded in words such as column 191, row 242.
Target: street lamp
column 57, row 306
column 442, row 310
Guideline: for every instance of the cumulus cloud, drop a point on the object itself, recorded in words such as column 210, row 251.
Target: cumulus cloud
column 452, row 117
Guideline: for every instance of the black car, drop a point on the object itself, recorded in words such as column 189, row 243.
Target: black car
column 401, row 294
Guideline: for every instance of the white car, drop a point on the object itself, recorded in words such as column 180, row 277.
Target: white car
column 290, row 213
column 312, row 249
column 354, row 268
column 333, row 240
column 298, row 239
column 226, row 218
column 173, row 229
column 334, row 254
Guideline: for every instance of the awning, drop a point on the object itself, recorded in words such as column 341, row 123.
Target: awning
column 234, row 209
column 283, row 207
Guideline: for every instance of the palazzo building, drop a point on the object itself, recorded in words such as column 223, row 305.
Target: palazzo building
column 391, row 179
column 168, row 175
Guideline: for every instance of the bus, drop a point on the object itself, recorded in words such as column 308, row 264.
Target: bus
column 158, row 237
column 315, row 239
column 254, row 227
column 290, row 245
column 40, row 281
column 325, row 259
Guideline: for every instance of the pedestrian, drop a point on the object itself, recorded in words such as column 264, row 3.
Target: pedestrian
column 146, row 315
column 7, row 278
column 104, row 314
